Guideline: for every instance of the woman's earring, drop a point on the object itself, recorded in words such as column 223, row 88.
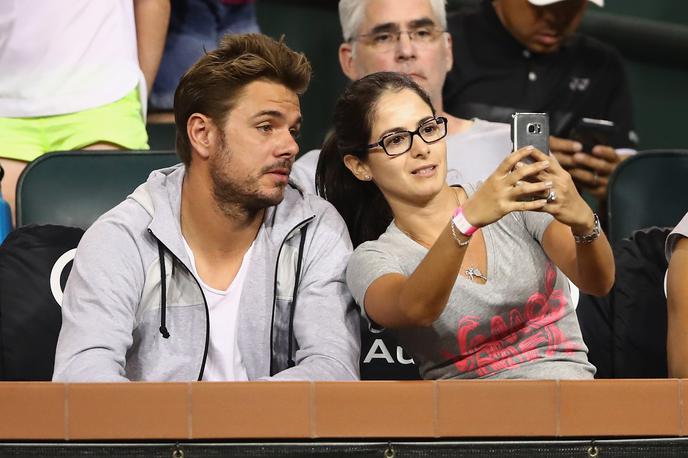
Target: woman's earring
column 366, row 177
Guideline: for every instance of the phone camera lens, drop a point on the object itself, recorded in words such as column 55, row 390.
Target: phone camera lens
column 534, row 128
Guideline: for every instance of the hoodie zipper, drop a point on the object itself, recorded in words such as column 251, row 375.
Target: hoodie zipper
column 205, row 303
column 274, row 291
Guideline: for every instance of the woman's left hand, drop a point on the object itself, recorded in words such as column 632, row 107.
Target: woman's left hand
column 564, row 202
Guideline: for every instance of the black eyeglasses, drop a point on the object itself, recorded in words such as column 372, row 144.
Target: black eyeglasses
column 397, row 143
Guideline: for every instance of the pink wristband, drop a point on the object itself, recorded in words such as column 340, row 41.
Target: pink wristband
column 462, row 224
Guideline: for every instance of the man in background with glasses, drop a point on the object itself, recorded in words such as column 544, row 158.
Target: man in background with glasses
column 409, row 36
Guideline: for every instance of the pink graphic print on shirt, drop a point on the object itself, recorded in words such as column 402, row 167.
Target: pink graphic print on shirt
column 527, row 333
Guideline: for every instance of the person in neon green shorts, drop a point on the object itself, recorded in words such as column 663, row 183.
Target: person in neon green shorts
column 79, row 72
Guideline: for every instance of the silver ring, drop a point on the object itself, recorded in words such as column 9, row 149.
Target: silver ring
column 595, row 179
column 551, row 197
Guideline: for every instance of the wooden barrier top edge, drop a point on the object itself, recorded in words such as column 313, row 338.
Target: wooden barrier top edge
column 342, row 410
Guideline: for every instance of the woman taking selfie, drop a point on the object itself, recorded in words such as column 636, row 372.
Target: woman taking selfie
column 469, row 279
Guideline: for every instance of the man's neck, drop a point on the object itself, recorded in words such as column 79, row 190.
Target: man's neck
column 456, row 125
column 210, row 230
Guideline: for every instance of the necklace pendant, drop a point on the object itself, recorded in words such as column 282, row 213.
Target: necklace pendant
column 473, row 272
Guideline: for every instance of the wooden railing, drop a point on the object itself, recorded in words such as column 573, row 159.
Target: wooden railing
column 423, row 409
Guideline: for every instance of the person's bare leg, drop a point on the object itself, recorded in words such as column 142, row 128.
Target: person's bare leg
column 160, row 117
column 102, row 146
column 12, row 170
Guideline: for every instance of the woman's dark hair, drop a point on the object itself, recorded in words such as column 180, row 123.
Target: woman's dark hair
column 360, row 203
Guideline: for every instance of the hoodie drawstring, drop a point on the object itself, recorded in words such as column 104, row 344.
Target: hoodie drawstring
column 163, row 292
column 290, row 361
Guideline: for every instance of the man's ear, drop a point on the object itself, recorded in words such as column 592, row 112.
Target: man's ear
column 359, row 168
column 346, row 61
column 202, row 133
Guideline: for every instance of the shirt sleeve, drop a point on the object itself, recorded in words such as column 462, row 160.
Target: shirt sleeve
column 369, row 262
column 536, row 223
column 326, row 322
column 681, row 230
column 99, row 307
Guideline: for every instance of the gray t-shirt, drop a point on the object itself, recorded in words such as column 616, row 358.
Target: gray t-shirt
column 472, row 155
column 681, row 230
column 520, row 324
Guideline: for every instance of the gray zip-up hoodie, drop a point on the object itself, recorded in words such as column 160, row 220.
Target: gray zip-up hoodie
column 116, row 310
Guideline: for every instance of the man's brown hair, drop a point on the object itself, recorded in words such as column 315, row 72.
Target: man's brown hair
column 212, row 84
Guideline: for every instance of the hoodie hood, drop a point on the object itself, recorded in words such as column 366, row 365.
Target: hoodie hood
column 160, row 195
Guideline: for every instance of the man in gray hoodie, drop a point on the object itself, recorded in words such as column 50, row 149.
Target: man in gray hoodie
column 218, row 268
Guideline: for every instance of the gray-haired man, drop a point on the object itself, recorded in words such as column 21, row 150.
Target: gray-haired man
column 409, row 36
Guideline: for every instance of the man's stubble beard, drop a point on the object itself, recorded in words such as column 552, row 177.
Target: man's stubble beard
column 238, row 199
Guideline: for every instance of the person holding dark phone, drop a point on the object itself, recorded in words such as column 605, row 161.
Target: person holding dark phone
column 592, row 132
column 526, row 55
column 470, row 279
column 588, row 156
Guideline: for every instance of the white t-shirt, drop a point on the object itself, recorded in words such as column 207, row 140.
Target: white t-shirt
column 224, row 361
column 60, row 56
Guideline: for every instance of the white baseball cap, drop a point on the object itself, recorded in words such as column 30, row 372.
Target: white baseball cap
column 549, row 2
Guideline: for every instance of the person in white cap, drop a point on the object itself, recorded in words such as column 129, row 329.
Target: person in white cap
column 525, row 55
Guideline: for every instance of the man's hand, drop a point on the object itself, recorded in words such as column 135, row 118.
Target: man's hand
column 564, row 150
column 593, row 170
column 589, row 170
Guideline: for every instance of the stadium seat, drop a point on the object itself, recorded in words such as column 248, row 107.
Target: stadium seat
column 74, row 188
column 161, row 136
column 648, row 189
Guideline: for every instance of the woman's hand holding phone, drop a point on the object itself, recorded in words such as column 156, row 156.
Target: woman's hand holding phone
column 564, row 201
column 541, row 185
column 508, row 188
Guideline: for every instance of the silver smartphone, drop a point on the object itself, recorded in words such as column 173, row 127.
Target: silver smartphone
column 530, row 129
